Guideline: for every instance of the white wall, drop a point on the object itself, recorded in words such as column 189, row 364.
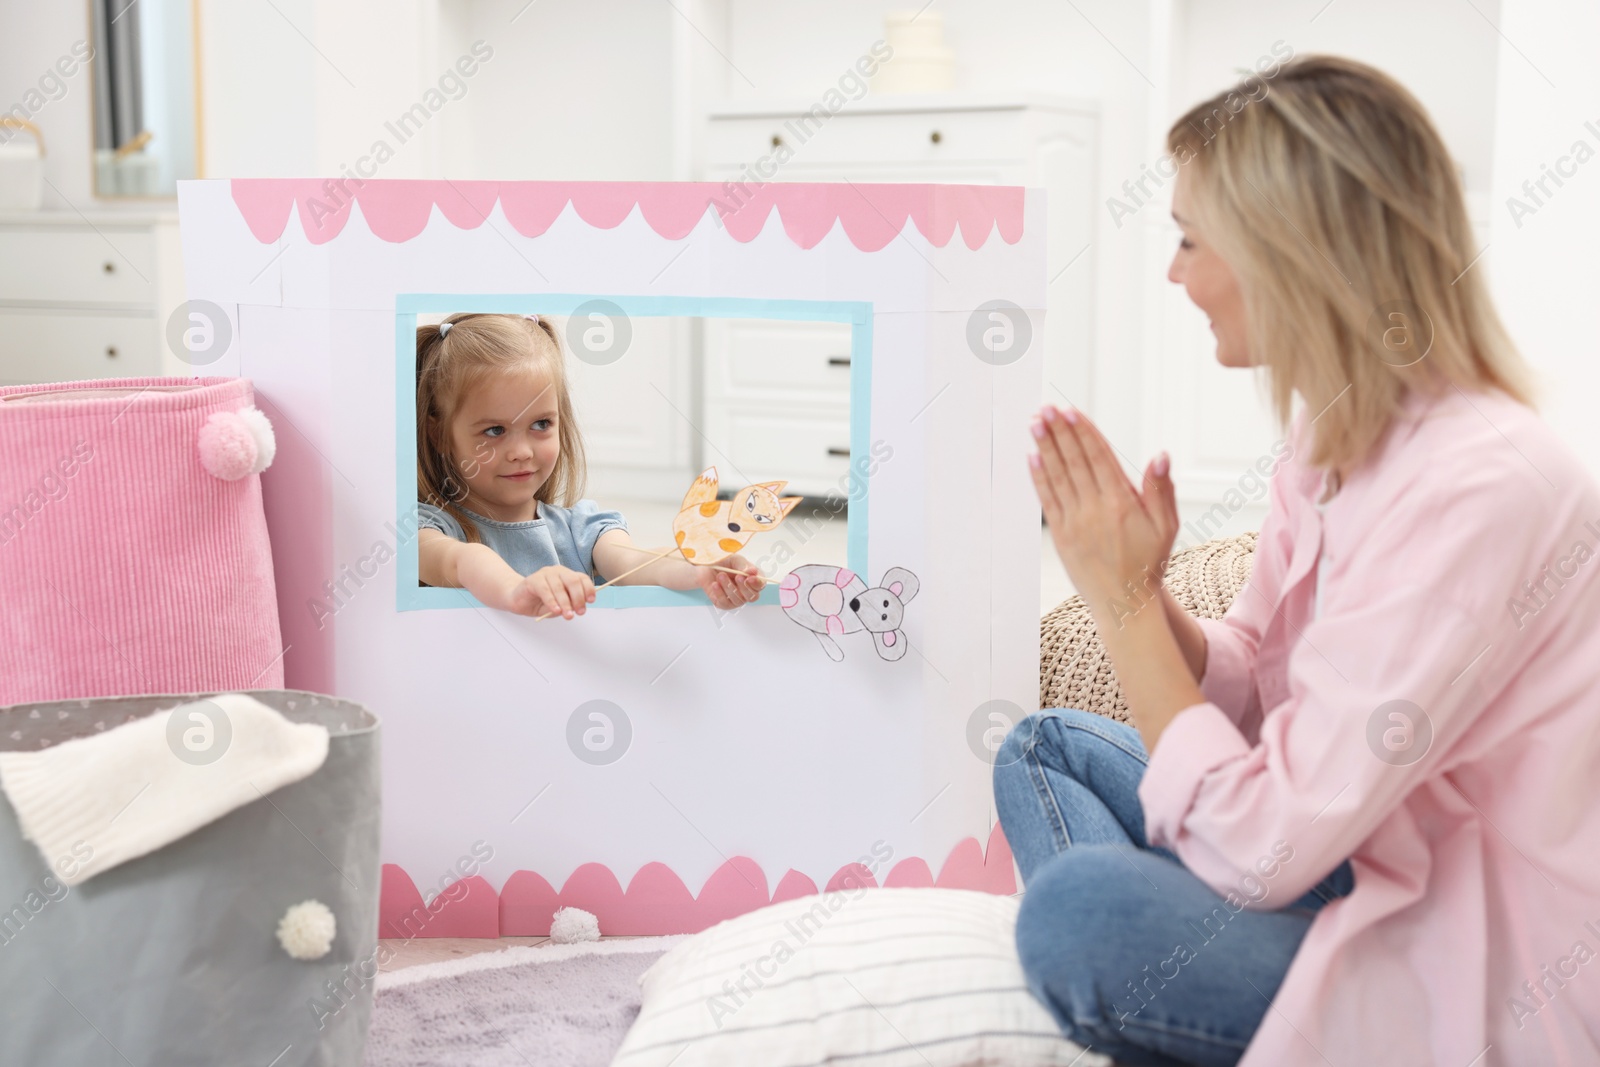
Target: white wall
column 310, row 87
column 575, row 91
column 1543, row 265
column 1444, row 51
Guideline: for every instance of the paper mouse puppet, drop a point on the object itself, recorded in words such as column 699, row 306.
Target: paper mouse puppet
column 831, row 601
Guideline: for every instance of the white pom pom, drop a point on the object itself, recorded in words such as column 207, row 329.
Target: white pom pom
column 569, row 925
column 306, row 930
column 260, row 428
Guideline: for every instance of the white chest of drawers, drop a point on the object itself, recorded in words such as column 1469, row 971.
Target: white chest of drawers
column 87, row 296
column 775, row 396
column 777, row 399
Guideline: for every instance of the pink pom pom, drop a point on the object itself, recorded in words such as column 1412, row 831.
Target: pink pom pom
column 227, row 447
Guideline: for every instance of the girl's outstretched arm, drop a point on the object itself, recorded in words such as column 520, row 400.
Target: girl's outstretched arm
column 616, row 554
column 477, row 568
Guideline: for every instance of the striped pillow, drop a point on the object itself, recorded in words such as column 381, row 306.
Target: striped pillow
column 870, row 977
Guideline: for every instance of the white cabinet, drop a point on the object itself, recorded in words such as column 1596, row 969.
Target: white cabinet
column 775, row 395
column 777, row 401
column 87, row 296
column 53, row 345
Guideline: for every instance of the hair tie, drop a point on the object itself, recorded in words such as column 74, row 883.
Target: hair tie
column 532, row 318
column 444, row 328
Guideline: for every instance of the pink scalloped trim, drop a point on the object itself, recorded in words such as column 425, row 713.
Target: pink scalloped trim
column 872, row 214
column 657, row 901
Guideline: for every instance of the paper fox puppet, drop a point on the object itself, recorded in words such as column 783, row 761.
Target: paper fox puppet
column 708, row 529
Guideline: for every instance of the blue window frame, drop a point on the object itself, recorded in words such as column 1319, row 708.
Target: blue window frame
column 412, row 597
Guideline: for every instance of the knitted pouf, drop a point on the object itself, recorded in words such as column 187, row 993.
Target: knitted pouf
column 133, row 545
column 1074, row 670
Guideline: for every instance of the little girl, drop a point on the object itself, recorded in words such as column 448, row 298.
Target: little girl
column 499, row 472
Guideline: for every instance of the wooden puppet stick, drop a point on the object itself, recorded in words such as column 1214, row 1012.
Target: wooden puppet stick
column 621, row 576
column 746, row 574
column 652, row 559
column 713, row 566
column 640, row 567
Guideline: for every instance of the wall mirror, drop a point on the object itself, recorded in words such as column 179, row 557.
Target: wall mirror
column 146, row 96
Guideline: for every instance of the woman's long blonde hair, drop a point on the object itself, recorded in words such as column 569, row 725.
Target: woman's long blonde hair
column 1334, row 200
column 448, row 365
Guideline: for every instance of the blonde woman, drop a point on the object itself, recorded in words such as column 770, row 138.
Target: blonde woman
column 1359, row 819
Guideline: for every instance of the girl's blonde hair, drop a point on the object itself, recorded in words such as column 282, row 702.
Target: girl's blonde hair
column 1334, row 200
column 450, row 364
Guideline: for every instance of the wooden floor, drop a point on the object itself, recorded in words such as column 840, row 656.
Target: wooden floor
column 409, row 952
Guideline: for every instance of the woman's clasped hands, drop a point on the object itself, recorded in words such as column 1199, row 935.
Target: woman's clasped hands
column 1113, row 539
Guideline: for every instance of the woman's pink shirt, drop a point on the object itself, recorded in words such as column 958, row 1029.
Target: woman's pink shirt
column 1437, row 722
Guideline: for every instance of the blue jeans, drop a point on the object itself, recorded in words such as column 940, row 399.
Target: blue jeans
column 1133, row 954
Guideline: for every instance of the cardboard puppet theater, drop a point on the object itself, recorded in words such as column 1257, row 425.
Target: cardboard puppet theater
column 656, row 761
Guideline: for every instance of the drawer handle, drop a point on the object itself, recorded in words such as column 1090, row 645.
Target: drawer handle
column 111, row 350
column 839, row 452
column 935, row 137
column 838, row 361
column 110, row 267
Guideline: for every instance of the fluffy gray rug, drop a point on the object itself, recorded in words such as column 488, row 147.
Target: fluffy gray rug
column 547, row 1008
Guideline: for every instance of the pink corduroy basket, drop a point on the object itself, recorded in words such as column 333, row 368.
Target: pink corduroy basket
column 133, row 546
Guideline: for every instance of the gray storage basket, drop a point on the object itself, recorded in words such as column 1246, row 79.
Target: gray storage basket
column 172, row 958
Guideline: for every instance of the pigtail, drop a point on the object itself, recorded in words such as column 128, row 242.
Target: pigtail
column 436, row 483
